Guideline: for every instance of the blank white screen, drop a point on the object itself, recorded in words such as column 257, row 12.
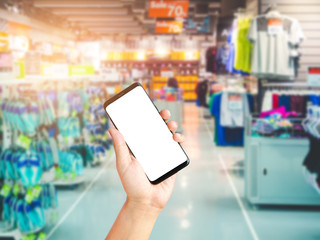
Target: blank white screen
column 146, row 133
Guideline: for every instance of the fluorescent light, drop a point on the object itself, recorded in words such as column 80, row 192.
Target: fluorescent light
column 108, row 24
column 76, row 3
column 95, row 19
column 90, row 11
column 115, row 29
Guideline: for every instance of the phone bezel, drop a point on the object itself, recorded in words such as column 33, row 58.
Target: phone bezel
column 122, row 93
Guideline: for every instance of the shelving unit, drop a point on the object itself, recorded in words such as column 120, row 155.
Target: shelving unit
column 274, row 171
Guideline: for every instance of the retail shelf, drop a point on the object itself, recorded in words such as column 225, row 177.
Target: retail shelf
column 178, row 82
column 273, row 172
column 12, row 235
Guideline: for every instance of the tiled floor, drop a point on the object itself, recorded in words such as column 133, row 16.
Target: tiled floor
column 204, row 204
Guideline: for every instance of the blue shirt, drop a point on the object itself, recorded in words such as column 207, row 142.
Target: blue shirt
column 227, row 136
column 284, row 100
column 315, row 99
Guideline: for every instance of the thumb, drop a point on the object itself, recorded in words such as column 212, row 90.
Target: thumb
column 121, row 149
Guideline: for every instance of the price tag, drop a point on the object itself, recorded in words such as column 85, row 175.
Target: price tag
column 168, row 9
column 235, row 102
column 275, row 26
column 313, row 76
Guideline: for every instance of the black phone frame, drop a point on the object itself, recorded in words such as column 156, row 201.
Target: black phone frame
column 122, row 93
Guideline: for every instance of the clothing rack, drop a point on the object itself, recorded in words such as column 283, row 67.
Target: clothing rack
column 271, row 7
column 294, row 96
column 289, row 85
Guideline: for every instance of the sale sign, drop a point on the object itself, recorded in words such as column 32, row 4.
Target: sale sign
column 169, row 27
column 168, row 9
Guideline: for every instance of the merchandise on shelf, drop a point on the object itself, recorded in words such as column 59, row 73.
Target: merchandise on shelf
column 291, row 100
column 31, row 161
column 26, row 159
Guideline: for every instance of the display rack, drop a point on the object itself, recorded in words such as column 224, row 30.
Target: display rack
column 13, row 235
column 273, row 170
column 186, row 73
column 35, row 83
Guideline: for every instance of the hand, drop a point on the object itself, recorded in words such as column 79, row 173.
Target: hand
column 140, row 192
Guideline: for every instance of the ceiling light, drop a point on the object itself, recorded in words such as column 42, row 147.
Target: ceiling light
column 95, row 19
column 90, row 11
column 76, row 3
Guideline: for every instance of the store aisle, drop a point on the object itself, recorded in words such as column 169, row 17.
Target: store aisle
column 203, row 204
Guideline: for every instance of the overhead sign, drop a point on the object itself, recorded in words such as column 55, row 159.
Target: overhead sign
column 81, row 70
column 4, row 42
column 168, row 9
column 18, row 29
column 169, row 27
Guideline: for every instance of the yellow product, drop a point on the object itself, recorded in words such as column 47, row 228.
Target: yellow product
column 175, row 56
column 243, row 46
column 164, row 79
column 184, row 78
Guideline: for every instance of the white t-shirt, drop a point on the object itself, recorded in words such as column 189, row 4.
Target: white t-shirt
column 267, row 102
column 234, row 109
column 273, row 41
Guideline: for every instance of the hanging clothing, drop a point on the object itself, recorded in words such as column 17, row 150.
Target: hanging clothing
column 267, row 102
column 297, row 104
column 211, row 59
column 231, row 42
column 225, row 136
column 234, row 109
column 284, row 100
column 273, row 41
column 243, row 46
column 221, row 59
column 314, row 99
column 290, row 100
column 275, row 101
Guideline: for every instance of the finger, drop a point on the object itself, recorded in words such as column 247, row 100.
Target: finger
column 172, row 125
column 121, row 149
column 178, row 137
column 165, row 114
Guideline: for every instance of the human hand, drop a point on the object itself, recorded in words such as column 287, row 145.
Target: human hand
column 140, row 192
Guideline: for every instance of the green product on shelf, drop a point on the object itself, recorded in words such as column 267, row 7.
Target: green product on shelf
column 5, row 191
column 24, row 141
column 16, row 189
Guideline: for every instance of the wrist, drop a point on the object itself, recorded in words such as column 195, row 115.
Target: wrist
column 142, row 208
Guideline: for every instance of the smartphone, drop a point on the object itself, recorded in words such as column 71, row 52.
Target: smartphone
column 150, row 141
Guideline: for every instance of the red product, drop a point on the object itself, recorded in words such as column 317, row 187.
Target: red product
column 275, row 101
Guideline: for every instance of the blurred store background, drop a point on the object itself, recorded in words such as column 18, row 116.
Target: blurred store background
column 241, row 77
